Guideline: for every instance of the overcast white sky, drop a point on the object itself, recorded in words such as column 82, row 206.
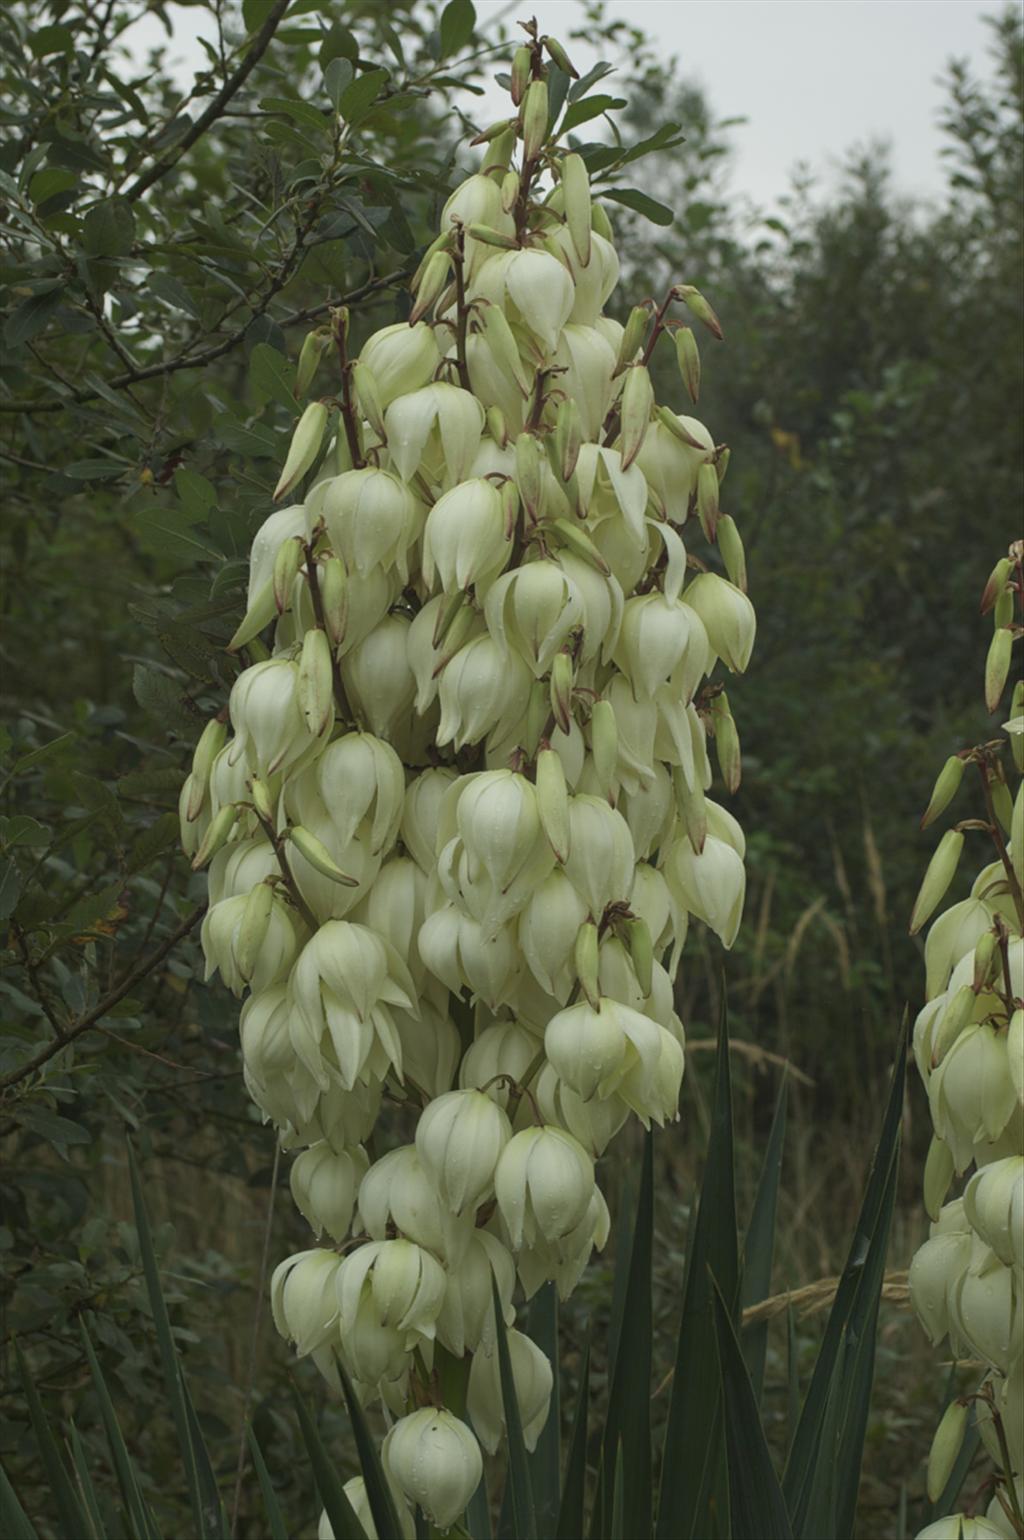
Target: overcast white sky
column 813, row 77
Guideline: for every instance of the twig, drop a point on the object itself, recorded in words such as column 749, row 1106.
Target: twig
column 207, row 355
column 234, row 82
column 254, row 1346
column 100, row 1009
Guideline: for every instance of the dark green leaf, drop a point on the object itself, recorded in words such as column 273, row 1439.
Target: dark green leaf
column 756, row 1506
column 273, row 377
column 31, row 317
column 694, row 1473
column 22, row 830
column 173, row 1386
column 339, row 43
column 339, row 1510
column 52, row 39
column 358, row 98
column 14, row 1521
column 271, row 1507
column 96, row 1529
column 338, row 75
column 378, row 1488
column 841, row 1393
column 54, row 1129
column 546, row 1460
column 141, row 1518
column 51, row 750
column 303, row 113
column 197, row 494
column 570, row 1513
column 579, row 112
column 759, row 1244
column 66, row 1501
column 524, row 1515
column 640, row 203
column 95, row 470
column 108, row 230
column 11, row 882
column 582, row 86
column 628, row 1426
column 457, row 22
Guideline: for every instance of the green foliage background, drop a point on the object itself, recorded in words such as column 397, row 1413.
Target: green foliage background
column 159, row 272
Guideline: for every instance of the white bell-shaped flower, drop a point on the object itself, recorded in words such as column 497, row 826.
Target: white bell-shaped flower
column 533, row 610
column 435, row 1460
column 378, row 679
column 711, row 885
column 303, row 1299
column 533, row 288
column 466, row 539
column 656, row 639
column 341, row 991
column 459, row 1139
column 483, row 689
column 994, row 1206
column 372, row 519
column 324, row 1183
column 505, row 1049
column 533, row 1381
column 971, row 1093
column 401, row 358
column 270, row 729
column 601, row 859
column 436, row 429
column 671, row 466
column 463, row 954
column 728, row 617
column 593, row 1123
column 467, row 1314
column 543, row 1181
column 548, row 927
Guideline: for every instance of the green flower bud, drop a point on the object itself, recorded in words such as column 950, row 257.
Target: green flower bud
column 252, row 931
column 286, row 569
column 314, row 346
column 553, row 803
column 431, row 285
column 262, row 610
column 996, row 584
column 604, row 744
column 368, row 397
column 333, row 579
column 641, row 952
column 315, row 684
column 305, row 446
column 221, row 825
column 576, row 191
column 707, row 500
column 938, row 1173
column 997, row 666
column 562, row 679
column 319, row 857
column 635, row 413
column 731, row 546
column 727, row 742
column 211, row 741
column 937, row 878
column 534, row 118
column 522, row 69
column 688, row 357
column 559, row 56
column 567, row 437
column 949, row 1436
column 945, row 789
column 695, row 302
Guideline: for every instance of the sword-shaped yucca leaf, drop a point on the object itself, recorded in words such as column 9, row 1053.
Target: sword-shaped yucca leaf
column 850, row 1319
column 546, row 1460
column 66, row 1501
column 378, row 1488
column 14, row 1521
column 208, row 1525
column 759, row 1244
column 340, row 1513
column 694, row 1479
column 616, row 1529
column 271, row 1506
column 524, row 1516
column 97, row 1530
column 628, row 1428
column 209, row 1492
column 570, row 1514
column 756, row 1507
column 143, row 1526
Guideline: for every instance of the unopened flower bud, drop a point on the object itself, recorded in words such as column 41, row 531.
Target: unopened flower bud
column 315, row 684
column 211, row 741
column 221, row 825
column 937, row 878
column 707, row 500
column 252, row 931
column 997, row 666
column 435, row 1461
column 635, row 412
column 576, row 191
column 368, row 396
column 534, row 118
column 604, row 744
column 996, row 584
column 585, row 961
column 688, row 357
column 949, row 1435
column 559, row 56
column 318, row 856
column 431, row 285
column 938, row 1173
column 522, row 69
column 568, row 436
column 730, row 544
column 315, row 344
column 945, row 789
column 304, row 448
column 695, row 302
column 553, row 803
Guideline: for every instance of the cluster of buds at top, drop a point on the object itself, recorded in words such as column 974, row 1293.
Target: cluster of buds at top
column 464, row 817
column 967, row 1280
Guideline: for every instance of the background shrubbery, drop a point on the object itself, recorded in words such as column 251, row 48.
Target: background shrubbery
column 870, row 389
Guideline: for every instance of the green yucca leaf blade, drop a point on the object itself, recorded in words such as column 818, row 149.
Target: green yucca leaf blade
column 14, row 1521
column 524, row 1517
column 143, row 1526
column 570, row 1513
column 756, row 1506
column 378, row 1488
column 209, row 1492
column 792, row 1378
column 169, row 1359
column 851, row 1316
column 546, row 1460
column 628, row 1429
column 340, row 1513
column 69, row 1509
column 97, row 1529
column 759, row 1243
column 617, row 1526
column 694, row 1477
column 271, row 1506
